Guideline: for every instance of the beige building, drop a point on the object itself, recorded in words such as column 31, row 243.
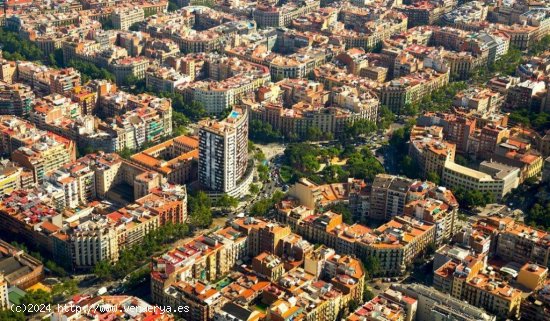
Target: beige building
column 129, row 66
column 492, row 177
column 411, row 88
column 521, row 243
column 92, row 245
column 8, row 71
column 175, row 159
column 123, row 18
column 532, row 276
column 495, row 296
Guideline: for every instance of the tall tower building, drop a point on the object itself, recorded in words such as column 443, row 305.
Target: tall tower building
column 223, row 154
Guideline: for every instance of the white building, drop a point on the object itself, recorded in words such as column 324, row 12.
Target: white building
column 493, row 177
column 223, row 154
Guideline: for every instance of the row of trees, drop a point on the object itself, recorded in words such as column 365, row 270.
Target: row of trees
column 133, row 257
column 263, row 206
column 90, row 71
column 439, row 100
column 532, row 119
column 16, row 48
column 473, row 198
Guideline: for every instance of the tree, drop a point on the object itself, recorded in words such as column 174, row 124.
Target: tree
column 263, row 132
column 16, row 48
column 434, row 177
column 107, row 24
column 254, row 189
column 136, row 84
column 363, row 164
column 55, row 269
column 372, row 265
column 409, row 167
column 56, row 58
column 90, row 71
column 508, row 63
column 125, row 153
column 367, row 294
column 172, row 6
column 540, row 46
column 9, row 315
column 62, row 290
column 359, row 128
column 36, row 297
column 473, row 198
column 260, row 208
column 102, row 270
column 410, row 109
column 227, row 202
column 353, row 305
column 135, row 26
column 313, row 133
column 179, row 122
column 461, row 160
column 200, row 214
column 342, row 209
column 263, row 172
column 386, row 117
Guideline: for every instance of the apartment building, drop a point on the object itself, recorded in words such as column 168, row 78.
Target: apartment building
column 397, row 243
column 141, row 118
column 176, row 159
column 92, row 243
column 429, row 149
column 229, row 79
column 76, row 180
column 527, row 28
column 34, row 75
column 422, row 13
column 332, row 120
column 38, row 151
column 86, row 100
column 223, row 154
column 521, row 243
column 436, row 212
column 411, row 88
column 496, row 296
column 388, row 196
column 205, row 258
column 123, row 18
column 452, row 276
column 164, row 80
column 64, row 81
column 434, row 305
column 92, row 232
column 482, row 100
column 267, row 15
column 390, row 305
column 535, row 306
column 466, row 16
column 8, row 70
column 13, row 176
column 15, row 99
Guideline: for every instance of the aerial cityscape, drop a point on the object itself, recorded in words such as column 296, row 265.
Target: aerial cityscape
column 264, row 160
